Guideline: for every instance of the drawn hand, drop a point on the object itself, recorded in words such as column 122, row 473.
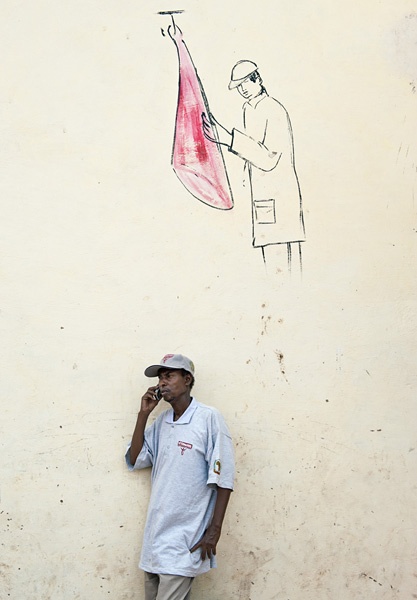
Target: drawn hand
column 207, row 128
column 225, row 137
column 208, row 542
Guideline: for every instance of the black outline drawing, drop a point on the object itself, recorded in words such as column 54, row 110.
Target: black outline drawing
column 266, row 144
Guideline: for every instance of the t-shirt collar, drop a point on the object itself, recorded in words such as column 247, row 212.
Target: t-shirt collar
column 185, row 417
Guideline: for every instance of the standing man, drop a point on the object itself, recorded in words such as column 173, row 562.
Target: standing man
column 190, row 451
column 266, row 145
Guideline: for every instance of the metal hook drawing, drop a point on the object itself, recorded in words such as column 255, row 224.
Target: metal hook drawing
column 171, row 13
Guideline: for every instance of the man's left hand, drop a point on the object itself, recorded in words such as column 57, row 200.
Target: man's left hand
column 208, row 542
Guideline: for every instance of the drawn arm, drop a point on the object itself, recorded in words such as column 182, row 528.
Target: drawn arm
column 257, row 153
column 267, row 136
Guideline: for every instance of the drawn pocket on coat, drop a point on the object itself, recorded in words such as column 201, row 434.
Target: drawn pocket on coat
column 265, row 211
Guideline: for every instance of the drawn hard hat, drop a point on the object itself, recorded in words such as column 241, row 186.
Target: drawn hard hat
column 240, row 72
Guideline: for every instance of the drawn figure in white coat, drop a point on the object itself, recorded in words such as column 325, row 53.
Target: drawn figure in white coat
column 266, row 145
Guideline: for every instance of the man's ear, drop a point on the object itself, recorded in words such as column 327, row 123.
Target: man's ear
column 188, row 378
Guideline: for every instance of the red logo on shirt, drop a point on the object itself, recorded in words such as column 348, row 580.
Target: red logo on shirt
column 184, row 446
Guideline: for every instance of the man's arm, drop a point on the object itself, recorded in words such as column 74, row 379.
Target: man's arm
column 148, row 403
column 208, row 542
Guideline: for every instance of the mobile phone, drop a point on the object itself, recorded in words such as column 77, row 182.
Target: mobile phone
column 158, row 394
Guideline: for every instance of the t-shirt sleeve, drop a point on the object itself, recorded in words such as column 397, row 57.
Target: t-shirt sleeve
column 220, row 454
column 147, row 454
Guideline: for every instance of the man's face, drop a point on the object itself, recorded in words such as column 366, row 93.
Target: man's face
column 249, row 89
column 173, row 383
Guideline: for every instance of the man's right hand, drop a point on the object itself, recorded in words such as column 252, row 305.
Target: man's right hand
column 149, row 400
column 148, row 403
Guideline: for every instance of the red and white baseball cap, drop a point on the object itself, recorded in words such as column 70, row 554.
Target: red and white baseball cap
column 171, row 361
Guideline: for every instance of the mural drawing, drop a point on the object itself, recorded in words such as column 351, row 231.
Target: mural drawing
column 265, row 143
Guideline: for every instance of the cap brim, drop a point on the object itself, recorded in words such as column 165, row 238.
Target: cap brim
column 235, row 83
column 152, row 370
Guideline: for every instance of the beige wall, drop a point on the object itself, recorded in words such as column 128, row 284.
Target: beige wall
column 108, row 263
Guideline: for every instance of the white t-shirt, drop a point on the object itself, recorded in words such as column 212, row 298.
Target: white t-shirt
column 189, row 457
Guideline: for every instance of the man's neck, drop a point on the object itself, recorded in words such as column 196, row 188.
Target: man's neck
column 180, row 405
column 255, row 99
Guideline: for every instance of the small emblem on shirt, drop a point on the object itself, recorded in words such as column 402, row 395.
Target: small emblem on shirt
column 217, row 467
column 184, row 446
